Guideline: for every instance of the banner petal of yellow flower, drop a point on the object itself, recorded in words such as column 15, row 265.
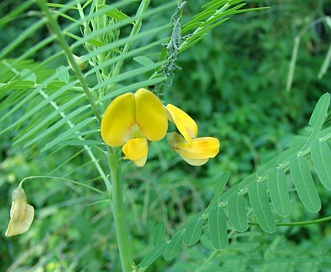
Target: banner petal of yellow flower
column 118, row 120
column 151, row 116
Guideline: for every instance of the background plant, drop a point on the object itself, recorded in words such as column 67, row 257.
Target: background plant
column 235, row 77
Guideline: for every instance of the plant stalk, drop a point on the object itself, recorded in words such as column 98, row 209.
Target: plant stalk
column 118, row 211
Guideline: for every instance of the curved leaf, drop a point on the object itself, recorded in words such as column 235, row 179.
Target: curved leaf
column 71, row 133
column 304, row 183
column 155, row 253
column 318, row 116
column 217, row 228
column 57, row 125
column 237, row 212
column 321, row 155
column 193, row 231
column 174, row 246
column 260, row 205
column 218, row 190
column 278, row 190
column 159, row 233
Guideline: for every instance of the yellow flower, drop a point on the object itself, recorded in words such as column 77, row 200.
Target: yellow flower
column 21, row 213
column 184, row 123
column 195, row 151
column 132, row 119
column 201, row 150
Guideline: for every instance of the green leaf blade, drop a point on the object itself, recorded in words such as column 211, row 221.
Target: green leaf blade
column 50, row 118
column 56, row 126
column 155, row 253
column 193, row 231
column 304, row 183
column 69, row 134
column 259, row 201
column 27, row 74
column 159, row 233
column 319, row 114
column 237, row 212
column 118, row 15
column 217, row 228
column 174, row 246
column 278, row 190
column 218, row 190
column 321, row 156
column 63, row 74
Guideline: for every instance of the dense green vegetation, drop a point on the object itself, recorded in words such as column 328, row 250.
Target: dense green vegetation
column 240, row 83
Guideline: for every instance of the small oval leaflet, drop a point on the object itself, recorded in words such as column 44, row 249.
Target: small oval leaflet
column 153, row 255
column 320, row 111
column 28, row 75
column 217, row 228
column 278, row 190
column 159, row 233
column 63, row 74
column 218, row 190
column 237, row 212
column 260, row 205
column 174, row 246
column 193, row 231
column 321, row 155
column 304, row 183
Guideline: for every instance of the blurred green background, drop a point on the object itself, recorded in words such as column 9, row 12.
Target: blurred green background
column 233, row 83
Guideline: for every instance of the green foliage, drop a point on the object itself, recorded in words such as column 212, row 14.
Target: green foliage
column 261, row 207
column 217, row 228
column 243, row 80
column 279, row 192
column 321, row 156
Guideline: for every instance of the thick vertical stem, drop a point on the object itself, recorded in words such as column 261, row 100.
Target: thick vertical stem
column 118, row 212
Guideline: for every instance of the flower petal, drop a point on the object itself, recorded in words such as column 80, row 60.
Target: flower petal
column 184, row 123
column 151, row 116
column 21, row 214
column 118, row 120
column 136, row 150
column 195, row 162
column 201, row 150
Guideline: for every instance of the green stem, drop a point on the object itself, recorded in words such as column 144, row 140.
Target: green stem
column 300, row 223
column 60, row 37
column 206, row 262
column 54, row 178
column 118, row 211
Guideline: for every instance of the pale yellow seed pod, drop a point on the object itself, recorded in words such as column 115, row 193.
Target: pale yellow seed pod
column 21, row 213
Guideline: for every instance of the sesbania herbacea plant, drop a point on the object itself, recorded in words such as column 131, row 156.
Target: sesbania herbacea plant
column 131, row 120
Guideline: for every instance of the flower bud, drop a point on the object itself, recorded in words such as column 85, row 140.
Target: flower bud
column 81, row 64
column 21, row 213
